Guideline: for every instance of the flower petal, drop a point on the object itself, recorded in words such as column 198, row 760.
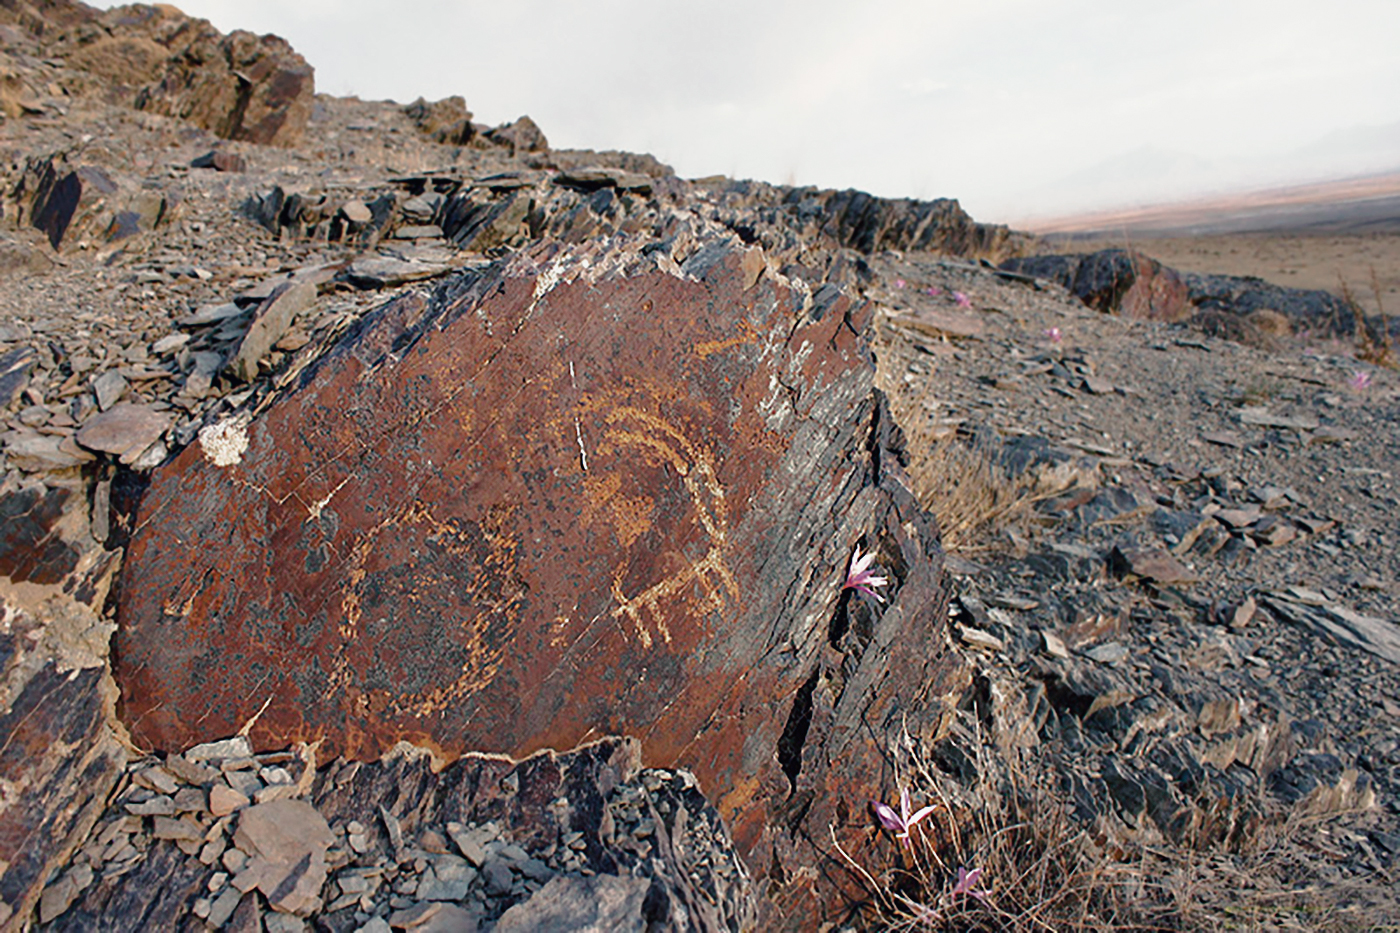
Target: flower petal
column 914, row 820
column 888, row 818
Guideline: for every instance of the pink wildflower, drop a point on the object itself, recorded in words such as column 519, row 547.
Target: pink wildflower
column 933, row 291
column 861, row 578
column 1360, row 381
column 899, row 283
column 962, row 300
column 900, row 823
column 966, row 884
column 1053, row 335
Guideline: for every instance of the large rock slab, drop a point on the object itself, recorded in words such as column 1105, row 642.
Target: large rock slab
column 609, row 491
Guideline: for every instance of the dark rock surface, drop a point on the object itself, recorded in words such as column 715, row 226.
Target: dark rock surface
column 649, row 539
column 59, row 758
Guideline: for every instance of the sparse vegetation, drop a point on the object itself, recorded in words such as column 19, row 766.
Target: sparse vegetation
column 973, row 496
column 1041, row 870
column 1373, row 342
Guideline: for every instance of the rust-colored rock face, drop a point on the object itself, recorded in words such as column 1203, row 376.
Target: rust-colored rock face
column 567, row 497
column 1132, row 284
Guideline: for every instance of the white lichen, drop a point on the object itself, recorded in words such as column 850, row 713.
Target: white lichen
column 224, row 442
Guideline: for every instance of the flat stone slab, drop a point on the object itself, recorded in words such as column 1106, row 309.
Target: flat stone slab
column 124, row 430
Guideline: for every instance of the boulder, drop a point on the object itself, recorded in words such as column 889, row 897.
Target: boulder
column 773, row 213
column 251, row 88
column 608, row 490
column 1115, row 281
column 523, row 135
column 1129, row 283
column 72, row 202
column 1305, row 310
column 446, row 121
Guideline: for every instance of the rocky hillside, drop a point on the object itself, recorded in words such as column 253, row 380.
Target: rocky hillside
column 409, row 525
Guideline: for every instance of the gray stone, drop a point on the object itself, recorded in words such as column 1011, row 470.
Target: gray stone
column 236, row 747
column 15, row 368
column 224, row 800
column 182, row 829
column 316, row 274
column 109, row 388
column 157, row 779
column 223, row 907
column 169, row 343
column 1262, row 417
column 124, row 431
column 447, row 879
column 283, row 923
column 571, row 904
column 383, row 272
column 1338, row 624
column 159, row 805
column 356, row 212
column 470, row 842
column 498, row 877
column 1152, row 564
column 188, row 771
column 211, row 314
column 437, row 917
column 57, row 898
column 418, row 232
column 282, row 830
column 1110, row 652
column 270, row 322
column 37, row 453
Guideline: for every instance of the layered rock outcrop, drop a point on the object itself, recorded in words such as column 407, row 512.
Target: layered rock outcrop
column 611, row 490
column 239, row 86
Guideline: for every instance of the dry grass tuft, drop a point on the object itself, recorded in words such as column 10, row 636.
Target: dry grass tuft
column 971, row 494
column 1373, row 343
column 965, row 489
column 1039, row 871
column 1042, row 871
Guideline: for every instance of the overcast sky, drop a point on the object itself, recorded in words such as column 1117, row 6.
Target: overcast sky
column 1018, row 108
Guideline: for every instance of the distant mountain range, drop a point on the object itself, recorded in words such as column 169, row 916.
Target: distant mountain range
column 1153, row 176
column 1366, row 204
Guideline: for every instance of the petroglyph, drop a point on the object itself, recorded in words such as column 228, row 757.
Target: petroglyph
column 633, row 429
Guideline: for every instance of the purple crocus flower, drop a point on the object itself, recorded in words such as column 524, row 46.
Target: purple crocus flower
column 900, row 823
column 962, row 300
column 1360, row 381
column 861, row 578
column 966, row 884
